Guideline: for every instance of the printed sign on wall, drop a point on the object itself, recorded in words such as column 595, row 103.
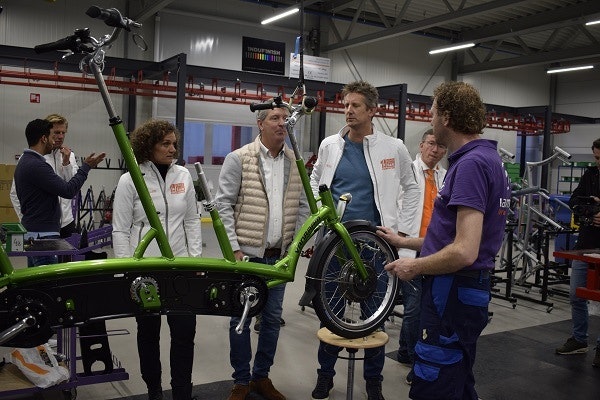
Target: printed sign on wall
column 261, row 55
column 315, row 68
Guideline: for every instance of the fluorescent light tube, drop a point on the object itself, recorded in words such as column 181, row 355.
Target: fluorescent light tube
column 593, row 22
column 451, row 48
column 282, row 15
column 567, row 69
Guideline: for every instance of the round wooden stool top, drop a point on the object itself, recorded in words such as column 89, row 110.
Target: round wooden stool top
column 375, row 339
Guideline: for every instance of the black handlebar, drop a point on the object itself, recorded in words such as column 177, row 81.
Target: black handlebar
column 112, row 17
column 309, row 103
column 263, row 106
column 77, row 43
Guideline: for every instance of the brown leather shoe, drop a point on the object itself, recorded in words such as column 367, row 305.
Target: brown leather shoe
column 265, row 388
column 239, row 392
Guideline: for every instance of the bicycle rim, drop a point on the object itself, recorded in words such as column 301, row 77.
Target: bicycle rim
column 345, row 304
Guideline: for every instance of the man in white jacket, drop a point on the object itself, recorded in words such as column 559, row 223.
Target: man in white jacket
column 63, row 162
column 374, row 168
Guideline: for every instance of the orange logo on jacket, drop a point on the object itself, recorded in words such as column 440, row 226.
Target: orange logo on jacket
column 388, row 163
column 177, row 188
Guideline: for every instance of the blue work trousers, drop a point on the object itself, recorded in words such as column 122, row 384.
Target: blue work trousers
column 454, row 311
column 240, row 349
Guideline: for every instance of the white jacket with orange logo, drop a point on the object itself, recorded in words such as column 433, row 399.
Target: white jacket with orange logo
column 390, row 167
column 175, row 202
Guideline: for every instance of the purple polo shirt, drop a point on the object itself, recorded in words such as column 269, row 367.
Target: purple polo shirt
column 476, row 178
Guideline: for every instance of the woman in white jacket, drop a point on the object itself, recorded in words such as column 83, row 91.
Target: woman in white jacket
column 172, row 190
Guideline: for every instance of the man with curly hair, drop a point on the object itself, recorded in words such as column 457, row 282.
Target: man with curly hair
column 459, row 248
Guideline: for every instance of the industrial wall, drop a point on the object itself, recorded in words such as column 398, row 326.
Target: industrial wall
column 216, row 42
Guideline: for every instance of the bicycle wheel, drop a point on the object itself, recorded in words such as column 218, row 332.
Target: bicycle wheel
column 346, row 304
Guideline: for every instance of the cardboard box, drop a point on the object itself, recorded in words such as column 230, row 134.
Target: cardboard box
column 7, row 214
column 7, row 172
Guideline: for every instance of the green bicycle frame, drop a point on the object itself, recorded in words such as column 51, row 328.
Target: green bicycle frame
column 283, row 271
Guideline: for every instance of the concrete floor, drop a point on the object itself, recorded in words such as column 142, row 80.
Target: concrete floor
column 294, row 371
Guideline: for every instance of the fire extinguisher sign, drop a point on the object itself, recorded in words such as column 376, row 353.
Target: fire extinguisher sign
column 34, row 97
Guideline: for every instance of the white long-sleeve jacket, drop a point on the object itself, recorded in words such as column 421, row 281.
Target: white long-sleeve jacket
column 439, row 173
column 390, row 167
column 175, row 202
column 64, row 171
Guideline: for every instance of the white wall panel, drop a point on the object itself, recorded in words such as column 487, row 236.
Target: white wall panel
column 578, row 93
column 213, row 43
column 386, row 62
column 523, row 87
column 88, row 124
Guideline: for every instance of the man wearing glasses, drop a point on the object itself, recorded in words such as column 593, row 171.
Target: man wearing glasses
column 430, row 176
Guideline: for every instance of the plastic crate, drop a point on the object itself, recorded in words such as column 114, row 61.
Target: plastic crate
column 15, row 236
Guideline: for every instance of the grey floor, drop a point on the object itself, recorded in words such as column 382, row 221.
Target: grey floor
column 294, row 371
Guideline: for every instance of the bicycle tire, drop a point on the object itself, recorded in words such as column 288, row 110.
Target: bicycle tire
column 345, row 304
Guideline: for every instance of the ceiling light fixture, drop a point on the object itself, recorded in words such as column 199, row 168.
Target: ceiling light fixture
column 568, row 69
column 284, row 14
column 453, row 47
column 593, row 22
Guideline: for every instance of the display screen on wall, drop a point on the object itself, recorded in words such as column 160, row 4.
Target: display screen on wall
column 261, row 55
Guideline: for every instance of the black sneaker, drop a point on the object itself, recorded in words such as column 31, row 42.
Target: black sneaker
column 321, row 390
column 596, row 362
column 410, row 377
column 572, row 346
column 374, row 390
column 403, row 357
column 155, row 394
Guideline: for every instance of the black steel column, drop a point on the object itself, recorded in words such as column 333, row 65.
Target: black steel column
column 546, row 146
column 403, row 99
column 180, row 99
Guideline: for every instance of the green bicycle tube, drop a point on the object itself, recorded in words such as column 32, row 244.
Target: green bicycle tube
column 222, row 237
column 134, row 169
column 312, row 203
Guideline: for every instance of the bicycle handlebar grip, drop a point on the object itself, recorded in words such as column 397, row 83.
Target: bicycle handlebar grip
column 262, row 106
column 111, row 17
column 562, row 152
column 522, row 192
column 310, row 102
column 68, row 43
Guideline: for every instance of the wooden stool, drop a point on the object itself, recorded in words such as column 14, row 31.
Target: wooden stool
column 375, row 339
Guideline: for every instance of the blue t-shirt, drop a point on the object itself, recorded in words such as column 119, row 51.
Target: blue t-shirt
column 352, row 176
column 476, row 178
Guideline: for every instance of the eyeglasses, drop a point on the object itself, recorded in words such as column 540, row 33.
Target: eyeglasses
column 432, row 144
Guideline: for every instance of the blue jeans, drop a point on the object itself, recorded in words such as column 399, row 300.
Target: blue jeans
column 328, row 354
column 373, row 362
column 409, row 333
column 240, row 349
column 579, row 306
column 42, row 260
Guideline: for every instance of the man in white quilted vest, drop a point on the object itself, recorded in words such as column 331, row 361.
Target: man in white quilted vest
column 261, row 203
